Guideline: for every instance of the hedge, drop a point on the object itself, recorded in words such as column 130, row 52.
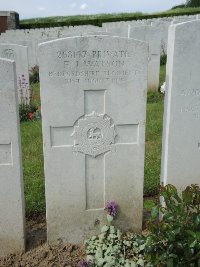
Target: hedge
column 99, row 21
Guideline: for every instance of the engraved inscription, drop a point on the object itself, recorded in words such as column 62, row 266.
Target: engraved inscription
column 93, row 54
column 8, row 53
column 191, row 92
column 190, row 109
column 94, row 66
column 91, row 76
column 191, row 98
column 94, row 134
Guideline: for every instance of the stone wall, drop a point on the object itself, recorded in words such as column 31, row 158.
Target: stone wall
column 9, row 20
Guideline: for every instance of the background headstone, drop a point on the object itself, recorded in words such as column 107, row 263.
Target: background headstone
column 177, row 20
column 19, row 54
column 93, row 94
column 162, row 25
column 181, row 133
column 150, row 35
column 121, row 30
column 12, row 236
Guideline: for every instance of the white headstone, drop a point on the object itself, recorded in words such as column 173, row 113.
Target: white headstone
column 100, row 33
column 162, row 26
column 181, row 134
column 11, row 190
column 121, row 30
column 32, row 59
column 93, row 93
column 150, row 35
column 177, row 20
column 19, row 54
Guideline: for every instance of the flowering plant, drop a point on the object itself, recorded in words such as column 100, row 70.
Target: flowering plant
column 29, row 112
column 84, row 263
column 111, row 210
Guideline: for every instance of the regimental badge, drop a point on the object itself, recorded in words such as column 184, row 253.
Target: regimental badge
column 8, row 53
column 94, row 134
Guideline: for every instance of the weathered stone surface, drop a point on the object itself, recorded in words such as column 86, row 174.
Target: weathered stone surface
column 150, row 35
column 181, row 145
column 93, row 93
column 162, row 26
column 100, row 33
column 121, row 30
column 177, row 20
column 19, row 54
column 11, row 189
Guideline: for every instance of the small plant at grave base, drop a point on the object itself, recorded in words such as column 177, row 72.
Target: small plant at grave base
column 25, row 112
column 111, row 210
column 84, row 263
column 112, row 249
column 29, row 112
column 34, row 74
column 175, row 240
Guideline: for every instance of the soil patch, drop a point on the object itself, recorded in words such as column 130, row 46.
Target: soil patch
column 39, row 253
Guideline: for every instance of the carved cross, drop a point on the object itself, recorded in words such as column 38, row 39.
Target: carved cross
column 95, row 134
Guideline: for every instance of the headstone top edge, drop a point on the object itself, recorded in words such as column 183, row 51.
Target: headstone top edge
column 178, row 25
column 128, row 40
column 143, row 26
column 7, row 60
column 13, row 44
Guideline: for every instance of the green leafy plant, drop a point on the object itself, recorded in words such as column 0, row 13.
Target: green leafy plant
column 26, row 112
column 175, row 240
column 112, row 249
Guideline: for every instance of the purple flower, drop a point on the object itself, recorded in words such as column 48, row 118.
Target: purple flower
column 111, row 208
column 84, row 263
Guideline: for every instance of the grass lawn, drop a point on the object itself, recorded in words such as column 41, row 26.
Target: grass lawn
column 32, row 153
column 31, row 135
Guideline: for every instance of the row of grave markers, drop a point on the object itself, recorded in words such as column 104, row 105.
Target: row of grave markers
column 121, row 28
column 22, row 46
column 21, row 55
column 93, row 97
